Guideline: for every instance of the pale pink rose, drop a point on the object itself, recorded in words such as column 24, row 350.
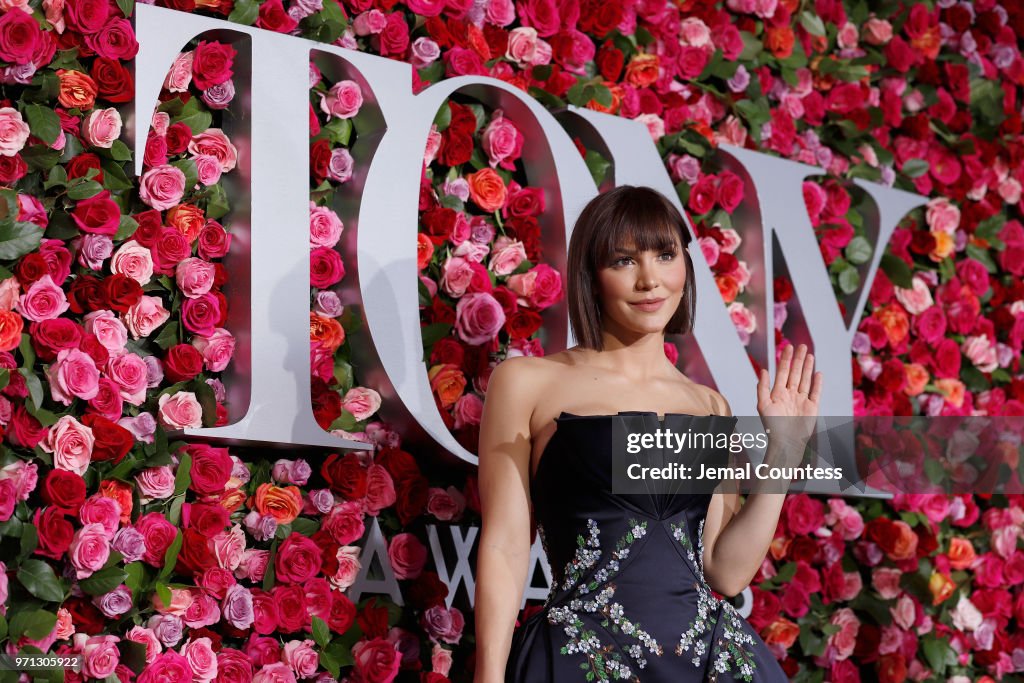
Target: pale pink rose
column 456, row 276
column 655, row 125
column 507, row 255
column 524, row 285
column 877, row 31
column 71, row 444
column 479, row 317
column 744, row 320
column 695, row 33
column 135, row 261
column 942, row 215
column 237, row 607
column 903, row 612
column 424, row 52
column 472, row 251
column 180, row 410
column 1004, row 540
column 180, row 75
column 229, row 547
column 362, row 402
column 327, row 304
column 433, row 145
column 445, row 504
column 10, row 290
column 109, row 330
column 101, row 127
column 100, row 655
column 65, row 627
column 181, row 600
column 89, row 550
column 500, row 12
column 54, row 11
column 161, row 122
column 129, row 372
column 142, row 427
column 845, row 638
column 468, row 410
column 208, row 168
column 847, row 37
column 980, row 351
column 501, row 140
column 277, row 672
column 845, row 520
column 966, row 616
column 324, row 226
column 916, row 300
column 14, row 131
column 348, row 566
column 145, row 636
column 886, row 580
column 339, row 168
column 217, row 349
column 440, row 660
column 24, row 475
column 194, row 276
column 1009, row 189
column 523, row 43
column 301, row 657
column 146, row 315
column 101, row 510
column 155, row 482
column 252, row 565
column 93, row 250
column 44, row 300
column 730, row 240
column 215, row 143
column 162, row 187
column 343, row 100
column 201, row 659
column 369, row 22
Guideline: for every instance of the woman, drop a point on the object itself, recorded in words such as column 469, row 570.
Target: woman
column 631, row 597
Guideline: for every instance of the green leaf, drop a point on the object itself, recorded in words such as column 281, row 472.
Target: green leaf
column 207, row 399
column 163, row 592
column 183, row 477
column 849, row 280
column 17, row 239
column 898, row 271
column 168, row 336
column 244, row 12
column 41, row 157
column 104, row 581
column 812, row 23
column 127, row 7
column 188, row 167
column 914, row 168
column 34, row 624
column 135, row 576
column 5, row 378
column 858, row 251
column 43, row 122
column 58, row 178
column 83, row 189
column 434, row 332
column 443, row 118
column 321, row 633
column 170, row 559
column 38, row 579
column 935, row 652
column 35, row 387
column 126, row 228
column 597, row 165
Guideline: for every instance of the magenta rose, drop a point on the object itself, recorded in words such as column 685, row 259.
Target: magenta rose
column 211, row 469
column 201, row 314
column 212, row 64
column 298, row 559
column 376, row 660
column 343, row 100
column 167, row 666
column 89, row 550
column 325, row 267
column 478, row 318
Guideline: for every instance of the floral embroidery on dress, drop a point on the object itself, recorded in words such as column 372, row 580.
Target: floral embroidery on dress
column 603, row 662
column 732, row 648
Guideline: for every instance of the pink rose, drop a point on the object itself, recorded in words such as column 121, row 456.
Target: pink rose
column 145, row 636
column 446, row 505
column 162, row 187
column 695, row 33
column 443, row 624
column 343, row 100
column 180, row 410
column 362, row 402
column 376, row 660
column 147, row 314
column 348, row 566
column 546, row 286
column 877, row 31
column 110, row 331
column 525, row 48
column 217, row 349
column 942, row 215
column 14, row 131
column 180, row 75
column 208, row 169
column 345, row 522
column 252, row 565
column 155, row 482
column 502, row 141
column 89, row 550
column 324, row 226
column 478, row 318
column 100, row 656
column 133, row 260
column 215, row 143
column 10, row 290
column 71, row 444
column 237, row 607
column 73, row 374
column 844, row 640
column 301, row 657
column 129, row 373
column 101, row 127
column 277, row 672
column 886, row 580
column 456, row 275
column 380, row 490
column 103, row 511
column 194, row 277
column 506, row 255
column 370, row 22
column 44, row 300
column 408, row 556
column 339, row 168
column 298, row 559
column 201, row 659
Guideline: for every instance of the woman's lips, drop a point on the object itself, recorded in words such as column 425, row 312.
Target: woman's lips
column 648, row 305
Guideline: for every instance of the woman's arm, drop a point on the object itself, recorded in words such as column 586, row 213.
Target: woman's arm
column 504, row 476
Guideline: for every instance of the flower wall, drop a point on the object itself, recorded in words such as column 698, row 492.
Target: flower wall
column 157, row 559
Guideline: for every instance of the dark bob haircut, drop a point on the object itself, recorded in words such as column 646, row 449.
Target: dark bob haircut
column 640, row 216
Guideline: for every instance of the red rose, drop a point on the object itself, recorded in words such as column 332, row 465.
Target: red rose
column 730, row 191
column 427, row 591
column 20, row 35
column 523, row 323
column 12, row 169
column 297, row 560
column 113, row 441
column 291, row 607
column 158, row 534
column 803, row 514
column 394, row 39
column 326, row 403
column 446, row 351
column 211, row 468
column 182, row 363
column 24, row 430
column 54, row 532
column 114, row 82
column 400, row 465
column 64, row 489
column 49, row 337
column 149, row 227
column 527, row 201
column 178, row 136
column 99, row 215
column 30, row 268
column 412, row 499
column 266, row 620
column 212, row 62
column 319, row 159
column 610, row 61
column 86, row 295
column 195, row 554
column 343, row 613
column 170, row 249
column 98, row 352
column 376, row 660
column 439, row 224
column 542, row 15
column 272, row 17
column 345, row 475
column 691, row 61
column 121, row 292
column 702, row 195
column 85, row 616
column 456, row 148
column 373, row 619
column 213, row 241
column 206, row 518
column 599, row 17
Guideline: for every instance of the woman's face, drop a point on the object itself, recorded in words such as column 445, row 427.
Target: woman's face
column 640, row 291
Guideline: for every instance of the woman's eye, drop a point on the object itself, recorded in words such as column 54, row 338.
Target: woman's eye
column 624, row 261
column 669, row 254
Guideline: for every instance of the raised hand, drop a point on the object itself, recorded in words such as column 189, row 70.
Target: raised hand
column 794, row 396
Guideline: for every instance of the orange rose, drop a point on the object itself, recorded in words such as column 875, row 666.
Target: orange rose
column 779, row 547
column 1010, row 455
column 953, row 389
column 928, row 43
column 779, row 41
column 187, row 219
column 613, row 108
column 122, row 493
column 283, row 503
column 448, row 382
column 487, row 189
column 11, row 326
column 327, row 331
column 943, row 246
column 961, row 553
column 917, row 377
column 424, row 250
column 232, row 499
column 782, row 632
column 219, row 6
column 900, row 541
column 642, row 70
column 895, row 322
column 728, row 287
column 892, row 668
column 76, row 89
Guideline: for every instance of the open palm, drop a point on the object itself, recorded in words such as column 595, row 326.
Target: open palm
column 795, row 395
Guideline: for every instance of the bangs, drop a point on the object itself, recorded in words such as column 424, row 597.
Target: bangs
column 640, row 225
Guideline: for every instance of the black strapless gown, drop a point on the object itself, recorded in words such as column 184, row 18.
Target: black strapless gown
column 628, row 598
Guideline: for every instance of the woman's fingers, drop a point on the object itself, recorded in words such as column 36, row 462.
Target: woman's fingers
column 816, row 386
column 782, row 372
column 797, row 368
column 808, row 374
